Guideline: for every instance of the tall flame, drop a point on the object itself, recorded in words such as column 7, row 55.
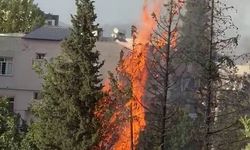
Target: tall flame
column 134, row 65
column 122, row 128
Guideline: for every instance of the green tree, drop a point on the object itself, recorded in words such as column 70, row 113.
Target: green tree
column 246, row 123
column 11, row 129
column 19, row 16
column 65, row 118
column 194, row 46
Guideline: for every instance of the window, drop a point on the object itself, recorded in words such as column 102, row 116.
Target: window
column 6, row 64
column 37, row 95
column 40, row 55
column 50, row 22
column 11, row 103
column 187, row 84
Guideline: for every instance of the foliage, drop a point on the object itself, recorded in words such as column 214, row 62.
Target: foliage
column 19, row 16
column 112, row 111
column 246, row 123
column 160, row 105
column 205, row 44
column 65, row 116
column 12, row 129
column 182, row 136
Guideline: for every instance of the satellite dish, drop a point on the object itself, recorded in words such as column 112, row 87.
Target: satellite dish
column 113, row 35
column 116, row 30
column 95, row 33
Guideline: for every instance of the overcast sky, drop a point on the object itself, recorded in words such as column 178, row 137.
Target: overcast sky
column 108, row 11
column 128, row 12
column 120, row 11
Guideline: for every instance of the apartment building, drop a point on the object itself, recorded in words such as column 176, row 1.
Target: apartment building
column 18, row 80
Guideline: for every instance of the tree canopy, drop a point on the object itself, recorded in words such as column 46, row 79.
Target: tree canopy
column 19, row 16
column 71, row 90
column 11, row 128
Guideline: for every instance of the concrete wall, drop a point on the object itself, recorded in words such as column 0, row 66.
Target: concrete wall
column 23, row 53
column 22, row 100
column 243, row 69
column 24, row 81
column 110, row 53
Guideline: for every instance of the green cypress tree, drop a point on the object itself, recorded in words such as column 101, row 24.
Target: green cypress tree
column 246, row 123
column 71, row 89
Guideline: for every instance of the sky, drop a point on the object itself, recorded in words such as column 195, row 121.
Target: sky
column 119, row 12
column 108, row 11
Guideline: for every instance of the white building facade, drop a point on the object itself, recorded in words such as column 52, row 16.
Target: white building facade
column 18, row 80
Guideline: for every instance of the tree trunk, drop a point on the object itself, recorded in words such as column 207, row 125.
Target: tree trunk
column 209, row 102
column 163, row 132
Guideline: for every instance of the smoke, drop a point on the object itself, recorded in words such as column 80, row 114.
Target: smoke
column 241, row 19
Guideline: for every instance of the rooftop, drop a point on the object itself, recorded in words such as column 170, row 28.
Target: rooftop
column 52, row 33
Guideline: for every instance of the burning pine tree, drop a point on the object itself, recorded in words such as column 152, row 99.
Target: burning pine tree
column 160, row 70
column 134, row 67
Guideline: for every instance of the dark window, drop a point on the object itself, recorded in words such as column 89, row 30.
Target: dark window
column 50, row 23
column 40, row 55
column 188, row 84
column 6, row 65
column 11, row 103
column 37, row 95
column 3, row 71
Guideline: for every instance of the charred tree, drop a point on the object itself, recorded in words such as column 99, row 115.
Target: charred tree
column 162, row 108
column 210, row 99
column 166, row 84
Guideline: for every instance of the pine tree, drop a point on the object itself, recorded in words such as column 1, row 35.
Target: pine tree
column 246, row 123
column 65, row 117
column 194, row 45
column 163, row 111
column 205, row 43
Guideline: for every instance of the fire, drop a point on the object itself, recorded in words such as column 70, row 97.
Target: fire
column 134, row 65
column 123, row 128
column 106, row 86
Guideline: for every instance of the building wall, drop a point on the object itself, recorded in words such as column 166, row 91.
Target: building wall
column 24, row 81
column 110, row 54
column 22, row 100
column 23, row 53
column 243, row 69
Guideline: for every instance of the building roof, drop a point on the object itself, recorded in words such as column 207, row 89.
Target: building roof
column 52, row 33
column 55, row 33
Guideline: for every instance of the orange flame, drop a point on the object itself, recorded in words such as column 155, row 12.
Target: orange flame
column 134, row 66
